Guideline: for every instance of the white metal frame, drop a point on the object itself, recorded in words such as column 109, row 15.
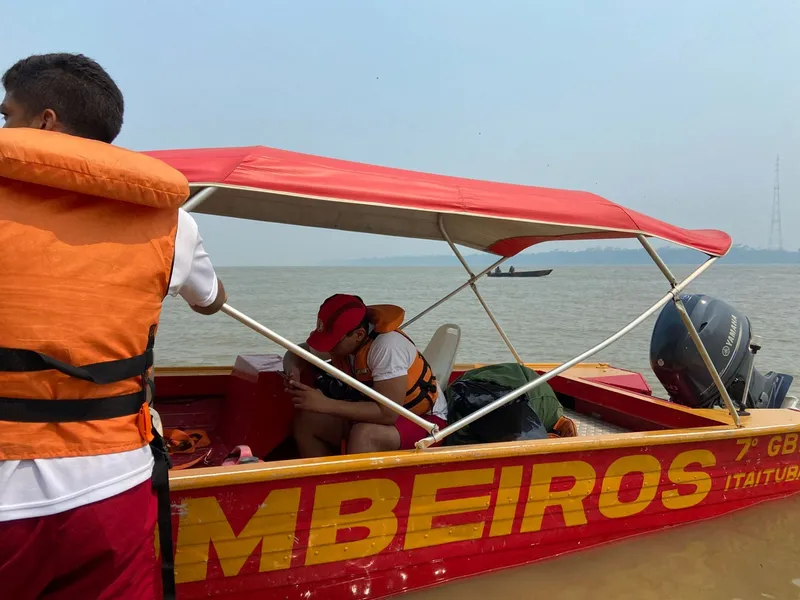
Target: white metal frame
column 198, row 199
column 436, row 435
column 471, row 283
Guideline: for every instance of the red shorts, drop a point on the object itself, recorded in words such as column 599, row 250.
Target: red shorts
column 411, row 433
column 99, row 551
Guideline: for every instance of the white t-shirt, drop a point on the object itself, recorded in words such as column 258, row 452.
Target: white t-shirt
column 47, row 486
column 391, row 355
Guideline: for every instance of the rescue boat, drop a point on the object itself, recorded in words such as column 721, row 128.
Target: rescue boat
column 269, row 525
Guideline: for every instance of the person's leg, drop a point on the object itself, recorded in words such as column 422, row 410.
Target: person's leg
column 106, row 549
column 370, row 437
column 403, row 435
column 317, row 434
column 410, row 433
column 26, row 560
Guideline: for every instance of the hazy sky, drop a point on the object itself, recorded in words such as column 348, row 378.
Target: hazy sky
column 674, row 108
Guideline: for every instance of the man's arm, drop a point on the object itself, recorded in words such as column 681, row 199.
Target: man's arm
column 291, row 361
column 193, row 275
column 216, row 305
column 311, row 399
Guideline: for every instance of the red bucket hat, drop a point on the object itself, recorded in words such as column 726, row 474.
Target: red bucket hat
column 339, row 315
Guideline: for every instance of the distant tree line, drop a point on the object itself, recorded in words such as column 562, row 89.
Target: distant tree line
column 739, row 255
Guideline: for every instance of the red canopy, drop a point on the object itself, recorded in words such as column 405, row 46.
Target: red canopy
column 300, row 189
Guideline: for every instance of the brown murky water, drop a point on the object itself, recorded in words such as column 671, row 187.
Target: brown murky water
column 752, row 554
column 548, row 319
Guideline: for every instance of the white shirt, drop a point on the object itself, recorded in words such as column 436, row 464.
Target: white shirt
column 47, row 486
column 391, row 355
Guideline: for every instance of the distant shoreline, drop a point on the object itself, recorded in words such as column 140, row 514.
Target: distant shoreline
column 739, row 255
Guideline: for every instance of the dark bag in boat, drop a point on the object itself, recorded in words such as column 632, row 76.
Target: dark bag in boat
column 337, row 390
column 516, row 421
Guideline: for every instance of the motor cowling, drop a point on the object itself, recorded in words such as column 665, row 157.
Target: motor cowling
column 726, row 334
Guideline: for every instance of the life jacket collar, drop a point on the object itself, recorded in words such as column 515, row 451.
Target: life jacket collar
column 85, row 166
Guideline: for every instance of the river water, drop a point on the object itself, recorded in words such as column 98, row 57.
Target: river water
column 547, row 319
column 747, row 555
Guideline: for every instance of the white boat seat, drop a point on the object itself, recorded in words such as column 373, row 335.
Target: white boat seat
column 441, row 352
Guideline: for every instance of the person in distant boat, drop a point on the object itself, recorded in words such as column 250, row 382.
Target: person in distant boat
column 364, row 342
column 511, row 269
column 497, row 270
column 93, row 240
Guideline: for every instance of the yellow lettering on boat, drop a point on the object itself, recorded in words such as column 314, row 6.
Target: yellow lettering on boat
column 327, row 520
column 774, row 445
column 505, row 507
column 673, row 499
column 768, row 474
column 745, row 443
column 771, row 476
column 425, row 507
column 202, row 523
column 570, row 500
column 790, row 443
column 779, row 444
column 609, row 502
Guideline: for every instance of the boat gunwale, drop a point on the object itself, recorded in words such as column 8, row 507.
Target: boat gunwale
column 336, row 465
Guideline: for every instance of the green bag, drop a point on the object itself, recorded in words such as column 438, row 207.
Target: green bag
column 542, row 398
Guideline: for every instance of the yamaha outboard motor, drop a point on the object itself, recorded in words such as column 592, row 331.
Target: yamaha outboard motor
column 726, row 334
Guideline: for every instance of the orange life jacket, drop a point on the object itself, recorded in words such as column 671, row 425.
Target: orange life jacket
column 421, row 389
column 87, row 232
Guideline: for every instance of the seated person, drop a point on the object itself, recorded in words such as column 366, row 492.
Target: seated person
column 365, row 343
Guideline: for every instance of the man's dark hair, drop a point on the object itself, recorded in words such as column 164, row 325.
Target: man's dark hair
column 84, row 97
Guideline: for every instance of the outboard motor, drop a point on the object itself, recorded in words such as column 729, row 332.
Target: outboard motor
column 726, row 334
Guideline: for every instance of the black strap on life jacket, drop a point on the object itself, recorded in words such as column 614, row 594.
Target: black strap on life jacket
column 160, row 481
column 32, row 410
column 18, row 360
column 426, row 384
column 27, row 410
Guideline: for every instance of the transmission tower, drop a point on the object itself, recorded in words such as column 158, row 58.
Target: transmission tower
column 775, row 226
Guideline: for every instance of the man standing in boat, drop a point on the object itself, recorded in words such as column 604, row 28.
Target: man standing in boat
column 366, row 343
column 93, row 240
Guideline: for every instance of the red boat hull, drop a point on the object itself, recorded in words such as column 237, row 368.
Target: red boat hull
column 372, row 526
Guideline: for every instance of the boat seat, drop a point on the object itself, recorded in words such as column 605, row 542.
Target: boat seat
column 441, row 352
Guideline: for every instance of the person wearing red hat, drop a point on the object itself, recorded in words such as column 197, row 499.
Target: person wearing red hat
column 366, row 343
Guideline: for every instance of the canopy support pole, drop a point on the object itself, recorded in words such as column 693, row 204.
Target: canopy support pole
column 693, row 333
column 328, row 368
column 467, row 283
column 198, row 199
column 502, row 401
column 475, row 289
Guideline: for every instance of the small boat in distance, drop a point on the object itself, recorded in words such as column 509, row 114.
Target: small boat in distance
column 513, row 273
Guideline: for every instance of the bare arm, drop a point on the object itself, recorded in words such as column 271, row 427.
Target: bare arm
column 307, row 398
column 292, row 361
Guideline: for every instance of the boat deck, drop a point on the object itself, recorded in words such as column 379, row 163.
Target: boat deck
column 590, row 426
